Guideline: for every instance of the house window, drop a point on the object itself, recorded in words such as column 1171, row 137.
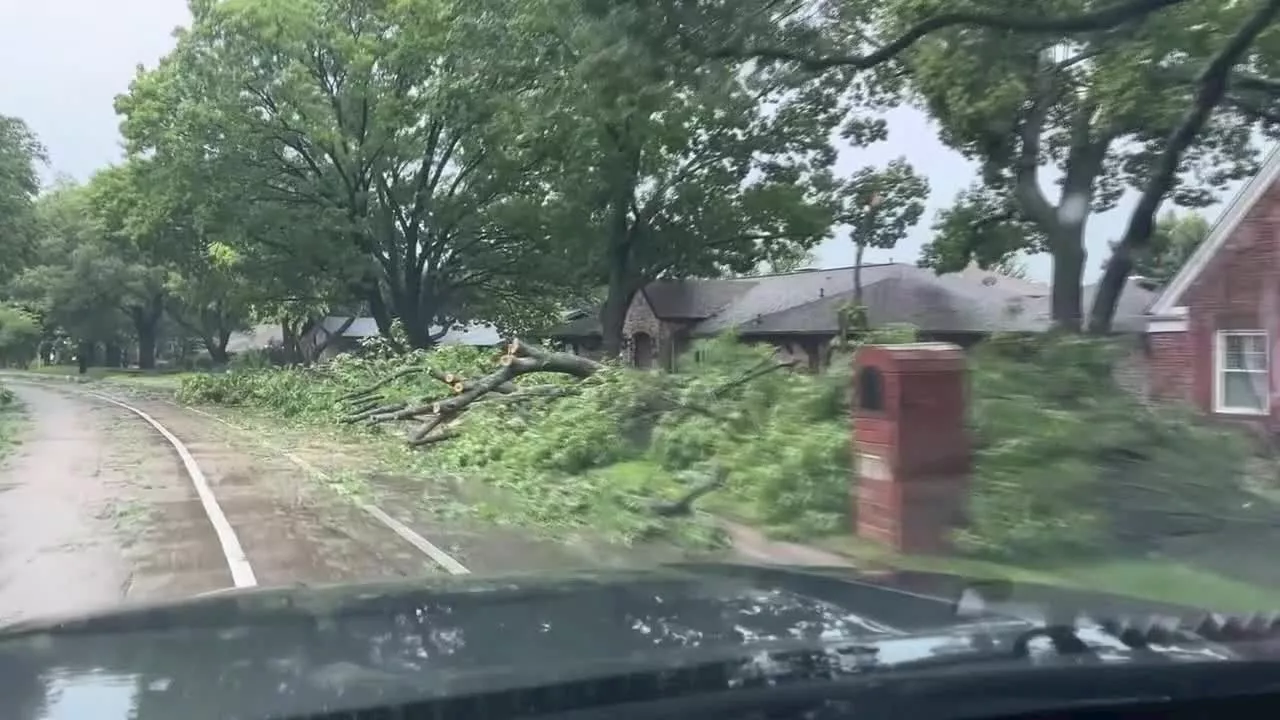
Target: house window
column 1242, row 385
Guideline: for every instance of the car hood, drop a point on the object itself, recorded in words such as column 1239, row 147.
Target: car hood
column 294, row 651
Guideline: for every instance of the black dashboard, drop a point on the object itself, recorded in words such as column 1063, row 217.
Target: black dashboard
column 1085, row 692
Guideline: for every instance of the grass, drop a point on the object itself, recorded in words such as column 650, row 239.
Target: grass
column 367, row 455
column 1158, row 579
column 11, row 419
column 169, row 380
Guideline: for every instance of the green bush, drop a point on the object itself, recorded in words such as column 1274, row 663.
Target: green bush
column 625, row 439
column 1068, row 463
column 1065, row 461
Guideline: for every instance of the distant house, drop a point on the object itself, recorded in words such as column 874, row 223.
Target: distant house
column 799, row 312
column 1213, row 332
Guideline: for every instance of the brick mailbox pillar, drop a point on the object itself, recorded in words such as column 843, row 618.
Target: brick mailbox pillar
column 911, row 447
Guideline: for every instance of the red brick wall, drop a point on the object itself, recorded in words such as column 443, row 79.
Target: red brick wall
column 1238, row 290
column 1170, row 366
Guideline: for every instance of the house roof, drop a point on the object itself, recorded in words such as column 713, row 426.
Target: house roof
column 270, row 334
column 1222, row 230
column 694, row 299
column 1130, row 315
column 906, row 294
column 807, row 301
column 476, row 335
column 361, row 327
column 260, row 336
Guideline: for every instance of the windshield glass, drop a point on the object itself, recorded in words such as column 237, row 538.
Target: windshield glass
column 556, row 307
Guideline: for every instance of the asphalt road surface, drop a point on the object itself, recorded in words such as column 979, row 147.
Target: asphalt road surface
column 98, row 509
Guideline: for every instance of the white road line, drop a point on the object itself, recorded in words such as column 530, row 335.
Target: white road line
column 438, row 556
column 241, row 572
column 432, row 551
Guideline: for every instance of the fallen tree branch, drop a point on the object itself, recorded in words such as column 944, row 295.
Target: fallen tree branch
column 520, row 359
column 436, row 416
column 684, row 504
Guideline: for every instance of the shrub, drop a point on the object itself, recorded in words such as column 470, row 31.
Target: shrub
column 626, row 439
column 1065, row 462
column 1068, row 463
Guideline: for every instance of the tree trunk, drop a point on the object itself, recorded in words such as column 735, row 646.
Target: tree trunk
column 113, row 355
column 318, row 351
column 146, row 320
column 217, row 350
column 416, row 329
column 146, row 345
column 613, row 318
column 1068, row 274
column 857, row 274
column 84, row 355
column 291, row 342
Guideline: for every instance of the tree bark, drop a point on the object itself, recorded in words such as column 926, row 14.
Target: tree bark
column 217, row 347
column 314, row 354
column 146, row 319
column 113, row 355
column 613, row 317
column 289, row 333
column 84, row 355
column 146, row 347
column 144, row 325
column 1068, row 273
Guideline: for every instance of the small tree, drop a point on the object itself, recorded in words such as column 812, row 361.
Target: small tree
column 1172, row 242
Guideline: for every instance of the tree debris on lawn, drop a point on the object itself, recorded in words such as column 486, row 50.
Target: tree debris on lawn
column 434, row 417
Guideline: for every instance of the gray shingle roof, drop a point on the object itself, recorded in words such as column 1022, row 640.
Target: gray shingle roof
column 807, row 301
column 892, row 294
column 1131, row 311
column 695, row 299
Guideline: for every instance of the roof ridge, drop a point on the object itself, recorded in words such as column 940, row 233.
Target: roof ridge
column 824, row 298
column 803, row 271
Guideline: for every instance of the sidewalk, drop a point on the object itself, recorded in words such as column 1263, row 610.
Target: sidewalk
column 752, row 545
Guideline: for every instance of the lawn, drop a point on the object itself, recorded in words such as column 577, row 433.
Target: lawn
column 1159, row 579
column 11, row 416
column 154, row 379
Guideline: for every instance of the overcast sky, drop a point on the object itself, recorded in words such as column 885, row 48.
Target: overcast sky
column 68, row 59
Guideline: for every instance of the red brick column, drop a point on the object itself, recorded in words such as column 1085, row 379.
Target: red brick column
column 911, row 446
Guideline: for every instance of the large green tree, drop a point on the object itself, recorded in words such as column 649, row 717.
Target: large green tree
column 1160, row 96
column 1109, row 111
column 76, row 283
column 21, row 155
column 379, row 134
column 145, row 238
column 666, row 165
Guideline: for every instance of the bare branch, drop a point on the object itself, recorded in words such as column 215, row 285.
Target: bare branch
column 1103, row 19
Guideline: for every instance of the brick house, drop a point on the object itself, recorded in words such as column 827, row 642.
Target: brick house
column 1212, row 333
column 798, row 313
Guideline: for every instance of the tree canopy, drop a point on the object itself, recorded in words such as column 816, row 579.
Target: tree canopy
column 1165, row 98
column 434, row 163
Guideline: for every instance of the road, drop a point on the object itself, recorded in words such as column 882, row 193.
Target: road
column 97, row 508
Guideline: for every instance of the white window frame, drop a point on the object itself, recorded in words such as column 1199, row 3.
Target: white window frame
column 1220, row 373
